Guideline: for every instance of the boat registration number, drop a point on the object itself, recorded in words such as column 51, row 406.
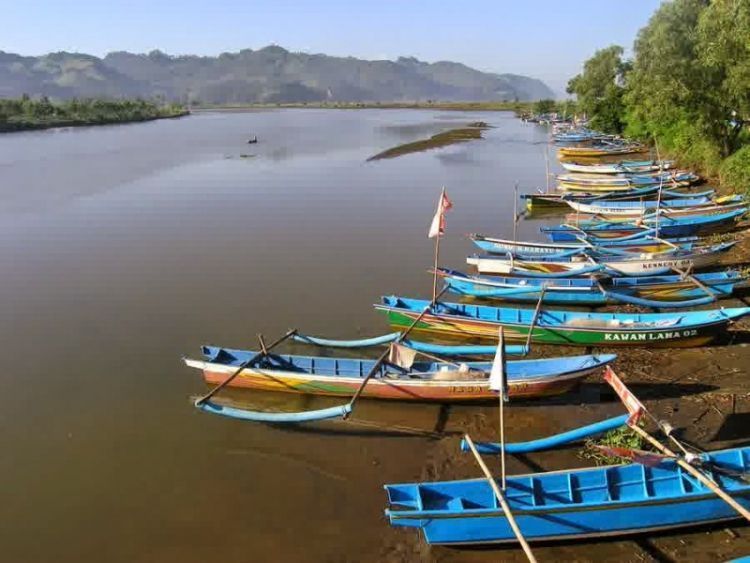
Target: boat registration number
column 649, row 336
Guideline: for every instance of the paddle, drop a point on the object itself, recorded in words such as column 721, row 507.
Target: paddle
column 263, row 353
column 384, row 355
column 693, row 471
column 501, row 498
column 536, row 315
column 636, row 409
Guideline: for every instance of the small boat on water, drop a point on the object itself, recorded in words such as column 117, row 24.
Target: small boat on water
column 633, row 214
column 571, row 328
column 552, row 200
column 635, row 246
column 573, row 504
column 424, row 381
column 671, row 291
column 623, row 182
column 585, row 264
column 603, row 149
column 606, row 207
column 666, row 226
column 622, row 167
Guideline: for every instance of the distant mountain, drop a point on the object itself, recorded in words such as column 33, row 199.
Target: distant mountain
column 269, row 75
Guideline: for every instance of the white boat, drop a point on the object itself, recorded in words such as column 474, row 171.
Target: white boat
column 588, row 212
column 623, row 167
column 644, row 265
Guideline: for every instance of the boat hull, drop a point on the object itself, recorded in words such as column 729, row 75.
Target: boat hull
column 508, row 289
column 573, row 504
column 664, row 338
column 562, row 525
column 631, row 267
column 392, row 389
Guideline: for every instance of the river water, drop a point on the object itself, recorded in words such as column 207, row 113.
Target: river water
column 123, row 248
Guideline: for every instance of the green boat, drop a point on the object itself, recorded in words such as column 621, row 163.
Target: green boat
column 683, row 329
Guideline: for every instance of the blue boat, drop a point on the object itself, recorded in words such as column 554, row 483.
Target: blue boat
column 423, row 381
column 570, row 328
column 572, row 504
column 666, row 226
column 524, row 249
column 670, row 291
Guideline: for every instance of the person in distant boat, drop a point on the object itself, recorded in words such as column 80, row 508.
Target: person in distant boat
column 253, row 140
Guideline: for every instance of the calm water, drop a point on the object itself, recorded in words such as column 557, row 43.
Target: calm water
column 123, row 248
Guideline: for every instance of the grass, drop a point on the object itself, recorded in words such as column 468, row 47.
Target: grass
column 471, row 132
column 620, row 438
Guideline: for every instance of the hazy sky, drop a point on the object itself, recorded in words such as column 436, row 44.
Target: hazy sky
column 546, row 39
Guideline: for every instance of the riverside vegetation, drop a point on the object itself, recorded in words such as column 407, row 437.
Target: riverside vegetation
column 26, row 113
column 686, row 88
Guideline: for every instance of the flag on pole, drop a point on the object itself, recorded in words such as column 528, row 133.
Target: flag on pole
column 437, row 227
column 631, row 402
column 401, row 356
column 498, row 375
column 639, row 456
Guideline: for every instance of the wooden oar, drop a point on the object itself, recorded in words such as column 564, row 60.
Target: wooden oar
column 501, row 498
column 536, row 315
column 387, row 351
column 685, row 274
column 243, row 365
column 693, row 471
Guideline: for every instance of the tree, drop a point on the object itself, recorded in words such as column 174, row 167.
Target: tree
column 600, row 88
column 544, row 106
column 724, row 49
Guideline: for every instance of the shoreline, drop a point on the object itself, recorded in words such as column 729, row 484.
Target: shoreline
column 450, row 106
column 26, row 126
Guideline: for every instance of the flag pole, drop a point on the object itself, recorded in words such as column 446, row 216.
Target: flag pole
column 501, row 399
column 437, row 251
column 515, row 210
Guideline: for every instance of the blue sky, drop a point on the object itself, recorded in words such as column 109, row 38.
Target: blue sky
column 546, row 39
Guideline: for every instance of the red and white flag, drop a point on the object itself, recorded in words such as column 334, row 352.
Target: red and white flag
column 639, row 456
column 631, row 402
column 437, row 227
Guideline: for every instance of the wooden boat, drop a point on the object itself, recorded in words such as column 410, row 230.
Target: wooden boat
column 623, row 182
column 675, row 213
column 622, row 167
column 584, row 263
column 600, row 150
column 635, row 246
column 573, row 504
column 689, row 328
column 553, row 200
column 672, row 291
column 425, row 381
column 606, row 208
column 666, row 226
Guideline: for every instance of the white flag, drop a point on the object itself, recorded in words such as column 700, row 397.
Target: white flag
column 401, row 355
column 498, row 376
column 437, row 227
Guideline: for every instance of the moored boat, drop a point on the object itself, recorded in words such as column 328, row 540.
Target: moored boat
column 584, row 263
column 494, row 245
column 666, row 226
column 601, row 150
column 572, row 328
column 655, row 291
column 606, row 207
column 622, row 167
column 623, row 182
column 573, row 504
column 424, row 381
column 634, row 215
